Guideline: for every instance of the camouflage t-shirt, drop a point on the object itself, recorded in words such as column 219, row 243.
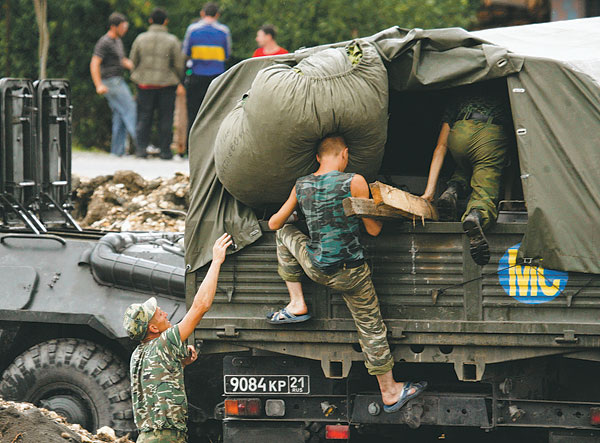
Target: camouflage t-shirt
column 157, row 387
column 334, row 237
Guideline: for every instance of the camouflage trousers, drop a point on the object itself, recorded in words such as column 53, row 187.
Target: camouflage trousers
column 162, row 436
column 480, row 151
column 357, row 290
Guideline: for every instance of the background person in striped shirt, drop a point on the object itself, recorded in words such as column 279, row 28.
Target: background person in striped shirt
column 207, row 44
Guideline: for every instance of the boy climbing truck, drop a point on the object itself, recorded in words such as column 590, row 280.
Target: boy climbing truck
column 509, row 347
column 333, row 256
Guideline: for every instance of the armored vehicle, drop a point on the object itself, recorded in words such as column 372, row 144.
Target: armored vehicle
column 513, row 344
column 64, row 289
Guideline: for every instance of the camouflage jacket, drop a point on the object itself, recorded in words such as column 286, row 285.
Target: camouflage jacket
column 157, row 386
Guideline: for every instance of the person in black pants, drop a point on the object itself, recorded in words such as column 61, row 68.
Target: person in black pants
column 158, row 69
column 148, row 100
column 195, row 91
column 207, row 45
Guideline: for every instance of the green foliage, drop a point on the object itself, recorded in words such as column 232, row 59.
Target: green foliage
column 75, row 26
column 303, row 23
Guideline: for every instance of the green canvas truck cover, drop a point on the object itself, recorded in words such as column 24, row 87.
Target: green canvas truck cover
column 553, row 78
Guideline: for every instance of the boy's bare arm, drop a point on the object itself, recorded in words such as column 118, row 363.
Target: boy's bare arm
column 359, row 188
column 278, row 219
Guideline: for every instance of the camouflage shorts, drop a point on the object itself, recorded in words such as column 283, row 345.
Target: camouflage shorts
column 162, row 436
column 356, row 288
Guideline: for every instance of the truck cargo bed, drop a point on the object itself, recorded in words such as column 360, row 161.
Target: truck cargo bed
column 438, row 305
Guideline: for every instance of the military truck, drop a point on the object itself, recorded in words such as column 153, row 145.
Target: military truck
column 514, row 344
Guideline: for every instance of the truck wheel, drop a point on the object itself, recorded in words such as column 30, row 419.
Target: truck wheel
column 78, row 379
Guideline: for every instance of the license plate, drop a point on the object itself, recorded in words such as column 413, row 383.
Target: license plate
column 267, row 384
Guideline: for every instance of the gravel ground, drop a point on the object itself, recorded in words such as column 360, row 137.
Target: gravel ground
column 91, row 164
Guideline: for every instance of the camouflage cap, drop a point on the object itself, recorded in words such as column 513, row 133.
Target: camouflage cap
column 137, row 316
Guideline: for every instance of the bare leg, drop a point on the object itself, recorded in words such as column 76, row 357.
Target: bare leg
column 390, row 389
column 297, row 305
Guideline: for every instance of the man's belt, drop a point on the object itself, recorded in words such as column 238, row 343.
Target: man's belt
column 475, row 116
column 343, row 266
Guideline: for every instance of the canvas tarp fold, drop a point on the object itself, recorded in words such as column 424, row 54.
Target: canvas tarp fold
column 559, row 111
column 557, row 118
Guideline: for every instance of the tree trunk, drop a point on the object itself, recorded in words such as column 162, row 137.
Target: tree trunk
column 41, row 15
column 8, row 40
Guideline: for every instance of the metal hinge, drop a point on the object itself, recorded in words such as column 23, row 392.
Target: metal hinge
column 567, row 337
column 229, row 331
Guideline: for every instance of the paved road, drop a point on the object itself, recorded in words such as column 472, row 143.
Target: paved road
column 87, row 164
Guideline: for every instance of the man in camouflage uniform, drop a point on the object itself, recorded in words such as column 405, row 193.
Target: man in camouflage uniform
column 156, row 367
column 333, row 256
column 475, row 129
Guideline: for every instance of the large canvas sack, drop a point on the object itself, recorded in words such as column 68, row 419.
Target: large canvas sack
column 270, row 138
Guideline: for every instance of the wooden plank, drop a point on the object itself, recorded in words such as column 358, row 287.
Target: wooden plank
column 412, row 206
column 367, row 208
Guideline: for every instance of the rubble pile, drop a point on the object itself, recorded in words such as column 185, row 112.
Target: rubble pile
column 25, row 423
column 126, row 201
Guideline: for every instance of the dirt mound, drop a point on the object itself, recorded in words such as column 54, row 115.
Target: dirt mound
column 24, row 423
column 126, row 201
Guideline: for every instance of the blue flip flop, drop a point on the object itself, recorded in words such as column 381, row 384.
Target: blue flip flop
column 405, row 396
column 288, row 317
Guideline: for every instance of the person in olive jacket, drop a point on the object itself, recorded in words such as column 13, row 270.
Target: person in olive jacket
column 158, row 70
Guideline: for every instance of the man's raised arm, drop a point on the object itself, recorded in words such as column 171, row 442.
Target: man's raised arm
column 206, row 292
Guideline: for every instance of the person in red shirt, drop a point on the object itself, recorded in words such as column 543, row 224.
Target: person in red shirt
column 265, row 38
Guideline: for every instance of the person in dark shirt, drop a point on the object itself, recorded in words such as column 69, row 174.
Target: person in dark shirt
column 265, row 38
column 106, row 68
column 475, row 130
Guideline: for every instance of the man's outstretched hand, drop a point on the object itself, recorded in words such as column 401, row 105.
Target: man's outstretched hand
column 220, row 248
column 206, row 292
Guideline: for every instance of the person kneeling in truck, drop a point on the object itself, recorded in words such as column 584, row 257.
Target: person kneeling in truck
column 475, row 128
column 333, row 256
column 157, row 385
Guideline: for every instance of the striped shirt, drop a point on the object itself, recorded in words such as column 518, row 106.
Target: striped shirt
column 207, row 45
